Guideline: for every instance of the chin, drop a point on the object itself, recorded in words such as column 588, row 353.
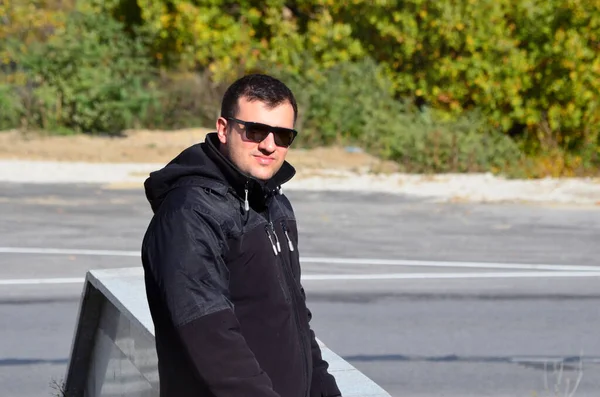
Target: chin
column 263, row 174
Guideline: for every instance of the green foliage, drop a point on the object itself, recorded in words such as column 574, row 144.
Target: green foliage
column 352, row 103
column 424, row 144
column 11, row 108
column 23, row 22
column 529, row 66
column 230, row 38
column 88, row 77
column 340, row 104
column 484, row 69
column 185, row 99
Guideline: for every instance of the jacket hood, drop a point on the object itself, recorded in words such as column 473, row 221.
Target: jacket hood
column 204, row 165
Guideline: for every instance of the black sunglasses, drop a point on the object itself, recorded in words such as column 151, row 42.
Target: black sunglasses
column 258, row 132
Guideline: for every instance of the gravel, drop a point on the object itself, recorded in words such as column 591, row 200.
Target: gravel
column 446, row 187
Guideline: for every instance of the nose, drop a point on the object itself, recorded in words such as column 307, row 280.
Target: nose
column 268, row 144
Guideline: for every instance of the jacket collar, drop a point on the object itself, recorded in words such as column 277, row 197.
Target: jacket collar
column 240, row 181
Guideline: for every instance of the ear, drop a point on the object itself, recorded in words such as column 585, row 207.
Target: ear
column 222, row 129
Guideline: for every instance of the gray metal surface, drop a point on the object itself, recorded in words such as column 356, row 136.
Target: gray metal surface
column 415, row 337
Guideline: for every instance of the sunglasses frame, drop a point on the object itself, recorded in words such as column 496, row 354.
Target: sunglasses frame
column 271, row 129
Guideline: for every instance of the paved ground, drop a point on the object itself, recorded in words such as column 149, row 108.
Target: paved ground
column 493, row 325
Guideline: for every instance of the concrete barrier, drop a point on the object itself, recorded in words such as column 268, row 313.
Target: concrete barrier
column 113, row 351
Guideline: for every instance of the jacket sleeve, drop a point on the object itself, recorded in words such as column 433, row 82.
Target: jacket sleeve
column 183, row 249
column 323, row 384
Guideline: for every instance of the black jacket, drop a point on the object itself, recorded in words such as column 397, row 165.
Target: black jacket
column 222, row 277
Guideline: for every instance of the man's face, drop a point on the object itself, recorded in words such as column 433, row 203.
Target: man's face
column 259, row 160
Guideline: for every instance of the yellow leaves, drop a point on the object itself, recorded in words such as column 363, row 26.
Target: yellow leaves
column 254, row 15
column 568, row 64
column 165, row 20
column 470, row 41
column 26, row 21
column 185, row 8
column 587, row 95
column 502, row 55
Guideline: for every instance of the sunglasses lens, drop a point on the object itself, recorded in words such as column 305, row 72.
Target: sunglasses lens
column 258, row 132
column 283, row 137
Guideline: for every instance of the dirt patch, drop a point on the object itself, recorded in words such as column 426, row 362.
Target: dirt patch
column 143, row 146
column 132, row 147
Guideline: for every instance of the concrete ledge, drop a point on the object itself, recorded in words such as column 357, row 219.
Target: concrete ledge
column 113, row 351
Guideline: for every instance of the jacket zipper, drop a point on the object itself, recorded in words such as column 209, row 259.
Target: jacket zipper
column 268, row 230
column 289, row 240
column 276, row 250
column 286, row 290
column 291, row 281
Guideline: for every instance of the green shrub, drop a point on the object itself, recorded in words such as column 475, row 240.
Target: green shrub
column 11, row 108
column 337, row 104
column 88, row 77
column 420, row 144
column 352, row 103
column 485, row 68
column 530, row 67
column 526, row 66
column 185, row 100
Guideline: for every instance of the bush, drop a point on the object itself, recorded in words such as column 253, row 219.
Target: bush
column 89, row 77
column 532, row 68
column 337, row 105
column 11, row 108
column 185, row 99
column 420, row 144
column 352, row 103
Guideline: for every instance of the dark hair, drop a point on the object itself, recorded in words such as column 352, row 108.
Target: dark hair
column 257, row 87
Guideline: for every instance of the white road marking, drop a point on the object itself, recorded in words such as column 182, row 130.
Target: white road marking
column 432, row 276
column 535, row 270
column 359, row 277
column 38, row 281
column 62, row 251
column 326, row 260
column 476, row 265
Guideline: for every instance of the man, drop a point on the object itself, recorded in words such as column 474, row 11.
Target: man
column 221, row 259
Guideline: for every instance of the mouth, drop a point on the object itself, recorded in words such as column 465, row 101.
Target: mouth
column 264, row 160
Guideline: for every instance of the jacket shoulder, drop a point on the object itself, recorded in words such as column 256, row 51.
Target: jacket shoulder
column 210, row 203
column 285, row 206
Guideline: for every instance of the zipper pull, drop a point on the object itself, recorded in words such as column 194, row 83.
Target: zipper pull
column 246, row 203
column 271, row 240
column 276, row 238
column 289, row 240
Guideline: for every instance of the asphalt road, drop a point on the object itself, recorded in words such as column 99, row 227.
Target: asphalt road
column 419, row 324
